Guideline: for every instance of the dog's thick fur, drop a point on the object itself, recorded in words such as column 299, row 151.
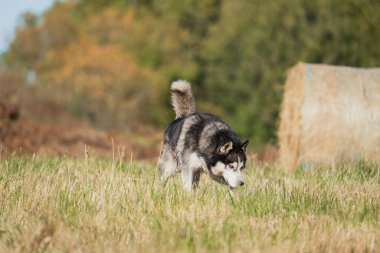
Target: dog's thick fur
column 199, row 142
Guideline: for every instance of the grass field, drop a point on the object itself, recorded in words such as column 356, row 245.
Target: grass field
column 67, row 205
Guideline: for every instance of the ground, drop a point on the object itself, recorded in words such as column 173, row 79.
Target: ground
column 25, row 137
column 51, row 204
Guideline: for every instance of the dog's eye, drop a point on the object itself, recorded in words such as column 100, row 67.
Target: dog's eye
column 230, row 166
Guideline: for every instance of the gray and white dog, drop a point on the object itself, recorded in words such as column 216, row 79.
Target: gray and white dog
column 198, row 142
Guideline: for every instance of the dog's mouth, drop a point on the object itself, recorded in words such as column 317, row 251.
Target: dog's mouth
column 222, row 180
column 219, row 179
column 234, row 179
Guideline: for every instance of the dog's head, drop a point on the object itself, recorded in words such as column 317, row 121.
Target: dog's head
column 231, row 162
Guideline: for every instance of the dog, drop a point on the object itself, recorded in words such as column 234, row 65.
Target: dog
column 196, row 143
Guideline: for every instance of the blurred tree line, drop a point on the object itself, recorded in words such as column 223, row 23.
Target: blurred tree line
column 112, row 61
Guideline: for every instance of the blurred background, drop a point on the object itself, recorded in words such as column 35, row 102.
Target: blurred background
column 97, row 72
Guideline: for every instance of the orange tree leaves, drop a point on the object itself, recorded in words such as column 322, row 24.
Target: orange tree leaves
column 100, row 83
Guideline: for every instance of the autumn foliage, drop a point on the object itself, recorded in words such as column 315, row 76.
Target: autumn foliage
column 111, row 62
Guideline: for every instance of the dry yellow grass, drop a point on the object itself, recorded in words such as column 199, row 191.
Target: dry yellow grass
column 65, row 205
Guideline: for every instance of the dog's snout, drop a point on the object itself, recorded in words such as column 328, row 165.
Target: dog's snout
column 241, row 183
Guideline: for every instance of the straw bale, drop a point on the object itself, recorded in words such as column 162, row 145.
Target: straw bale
column 329, row 114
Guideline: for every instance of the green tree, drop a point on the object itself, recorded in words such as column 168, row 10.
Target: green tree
column 255, row 42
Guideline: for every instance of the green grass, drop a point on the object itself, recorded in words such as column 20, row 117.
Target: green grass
column 67, row 205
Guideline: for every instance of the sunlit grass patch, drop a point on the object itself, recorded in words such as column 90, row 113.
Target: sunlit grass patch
column 98, row 205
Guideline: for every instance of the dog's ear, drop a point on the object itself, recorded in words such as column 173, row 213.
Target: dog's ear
column 244, row 146
column 224, row 149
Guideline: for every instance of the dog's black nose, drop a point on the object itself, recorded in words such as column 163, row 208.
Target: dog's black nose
column 241, row 183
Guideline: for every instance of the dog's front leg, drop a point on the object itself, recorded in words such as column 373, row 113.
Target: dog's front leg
column 187, row 178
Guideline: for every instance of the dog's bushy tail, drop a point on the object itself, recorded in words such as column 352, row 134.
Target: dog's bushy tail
column 182, row 98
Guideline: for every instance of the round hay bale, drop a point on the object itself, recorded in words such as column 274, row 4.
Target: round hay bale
column 329, row 114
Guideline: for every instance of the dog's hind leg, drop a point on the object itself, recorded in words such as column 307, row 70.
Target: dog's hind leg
column 167, row 164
